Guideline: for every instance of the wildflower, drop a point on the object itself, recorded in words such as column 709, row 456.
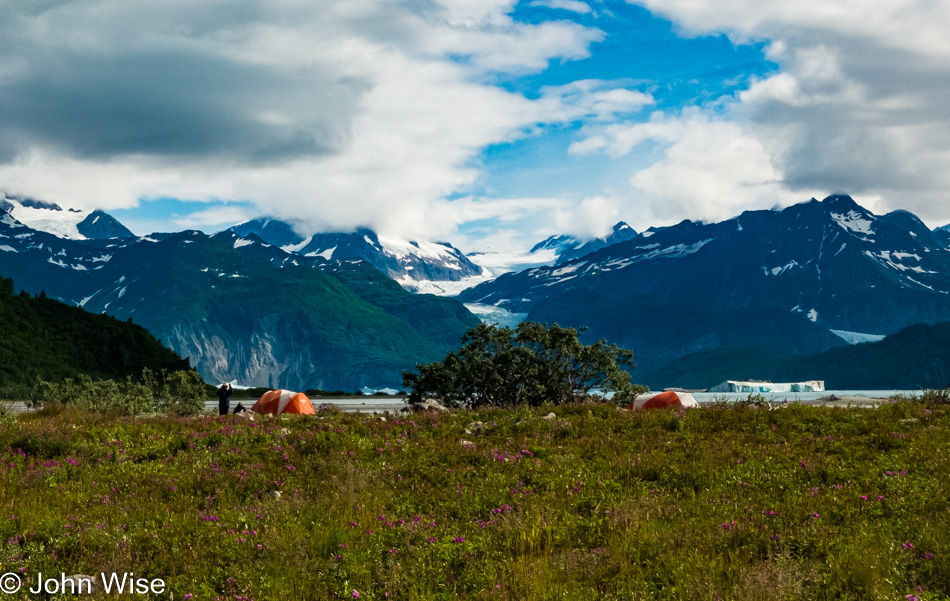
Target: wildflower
column 927, row 556
column 728, row 525
column 393, row 551
column 774, row 537
column 864, row 497
column 907, row 546
column 356, row 594
column 815, row 516
column 458, row 539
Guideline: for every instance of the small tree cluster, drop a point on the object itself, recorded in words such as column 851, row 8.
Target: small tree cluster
column 179, row 393
column 533, row 364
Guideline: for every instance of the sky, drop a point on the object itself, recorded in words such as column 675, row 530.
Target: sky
column 487, row 123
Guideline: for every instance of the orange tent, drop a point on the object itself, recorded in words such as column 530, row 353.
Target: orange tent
column 277, row 402
column 663, row 400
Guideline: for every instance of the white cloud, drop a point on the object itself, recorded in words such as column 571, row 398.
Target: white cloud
column 861, row 103
column 592, row 218
column 710, row 168
column 220, row 217
column 341, row 113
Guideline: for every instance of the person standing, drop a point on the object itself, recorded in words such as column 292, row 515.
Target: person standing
column 224, row 399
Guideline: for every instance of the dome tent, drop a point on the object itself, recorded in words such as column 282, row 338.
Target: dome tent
column 663, row 400
column 278, row 402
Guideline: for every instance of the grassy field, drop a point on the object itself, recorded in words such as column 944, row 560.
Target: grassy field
column 595, row 503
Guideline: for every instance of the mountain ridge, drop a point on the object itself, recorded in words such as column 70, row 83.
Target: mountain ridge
column 802, row 273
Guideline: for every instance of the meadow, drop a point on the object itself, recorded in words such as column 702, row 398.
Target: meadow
column 724, row 502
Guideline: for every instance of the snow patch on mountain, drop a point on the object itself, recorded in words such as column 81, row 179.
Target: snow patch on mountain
column 780, row 270
column 893, row 260
column 48, row 218
column 857, row 337
column 855, row 222
column 404, row 249
column 326, row 254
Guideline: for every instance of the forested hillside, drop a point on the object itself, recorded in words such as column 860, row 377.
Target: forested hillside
column 41, row 337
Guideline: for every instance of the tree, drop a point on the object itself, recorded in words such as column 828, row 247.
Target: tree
column 533, row 364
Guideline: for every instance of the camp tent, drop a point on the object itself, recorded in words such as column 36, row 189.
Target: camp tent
column 662, row 400
column 278, row 402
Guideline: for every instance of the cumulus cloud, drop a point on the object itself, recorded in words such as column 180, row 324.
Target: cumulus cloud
column 341, row 113
column 861, row 102
column 710, row 167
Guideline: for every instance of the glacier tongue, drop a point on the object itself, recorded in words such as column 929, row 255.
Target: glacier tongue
column 495, row 315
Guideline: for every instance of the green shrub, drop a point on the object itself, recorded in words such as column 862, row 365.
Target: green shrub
column 533, row 364
column 179, row 393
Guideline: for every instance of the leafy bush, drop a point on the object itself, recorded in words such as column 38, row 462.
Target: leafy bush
column 179, row 393
column 534, row 364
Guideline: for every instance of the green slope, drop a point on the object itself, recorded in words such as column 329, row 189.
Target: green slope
column 913, row 358
column 43, row 338
column 253, row 315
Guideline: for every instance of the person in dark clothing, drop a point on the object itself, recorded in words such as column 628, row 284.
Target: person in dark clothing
column 240, row 408
column 224, row 399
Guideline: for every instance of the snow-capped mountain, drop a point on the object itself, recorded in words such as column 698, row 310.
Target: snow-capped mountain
column 416, row 265
column 71, row 224
column 804, row 278
column 550, row 251
column 242, row 309
column 566, row 248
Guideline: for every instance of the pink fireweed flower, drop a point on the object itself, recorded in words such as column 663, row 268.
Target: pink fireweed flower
column 728, row 525
column 458, row 539
column 355, row 594
column 907, row 546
